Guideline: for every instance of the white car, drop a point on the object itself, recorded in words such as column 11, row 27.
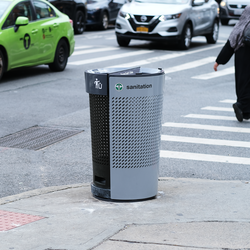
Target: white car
column 167, row 20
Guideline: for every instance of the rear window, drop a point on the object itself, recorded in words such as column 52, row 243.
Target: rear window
column 3, row 6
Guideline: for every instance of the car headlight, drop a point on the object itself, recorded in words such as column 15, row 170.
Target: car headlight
column 124, row 14
column 163, row 18
column 223, row 3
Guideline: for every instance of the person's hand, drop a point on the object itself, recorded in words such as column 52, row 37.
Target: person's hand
column 216, row 66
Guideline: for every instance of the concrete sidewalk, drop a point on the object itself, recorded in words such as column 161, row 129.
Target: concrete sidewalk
column 186, row 214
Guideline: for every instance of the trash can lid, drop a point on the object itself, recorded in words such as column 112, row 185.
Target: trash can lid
column 126, row 71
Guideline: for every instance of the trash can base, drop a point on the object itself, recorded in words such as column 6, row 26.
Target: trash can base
column 100, row 192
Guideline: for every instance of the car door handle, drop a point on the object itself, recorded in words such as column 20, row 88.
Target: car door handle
column 34, row 31
column 55, row 25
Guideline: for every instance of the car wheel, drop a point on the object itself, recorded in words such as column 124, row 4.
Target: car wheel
column 105, row 21
column 123, row 42
column 224, row 21
column 79, row 22
column 61, row 56
column 2, row 64
column 213, row 36
column 186, row 37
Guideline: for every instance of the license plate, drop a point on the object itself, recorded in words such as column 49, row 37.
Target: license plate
column 142, row 29
column 238, row 12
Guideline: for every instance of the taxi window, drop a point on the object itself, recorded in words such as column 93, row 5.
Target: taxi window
column 3, row 7
column 43, row 10
column 21, row 9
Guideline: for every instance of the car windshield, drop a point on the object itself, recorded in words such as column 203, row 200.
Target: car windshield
column 3, row 7
column 163, row 1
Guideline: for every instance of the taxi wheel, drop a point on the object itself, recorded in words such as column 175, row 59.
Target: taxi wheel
column 79, row 22
column 186, row 37
column 61, row 56
column 213, row 36
column 2, row 64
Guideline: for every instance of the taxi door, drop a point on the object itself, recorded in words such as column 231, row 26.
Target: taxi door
column 48, row 30
column 22, row 44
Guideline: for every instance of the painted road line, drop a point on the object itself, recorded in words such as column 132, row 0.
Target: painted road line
column 228, row 101
column 84, row 47
column 207, row 127
column 218, row 109
column 81, row 52
column 190, row 65
column 218, row 73
column 204, row 157
column 111, row 57
column 162, row 58
column 211, row 117
column 205, row 141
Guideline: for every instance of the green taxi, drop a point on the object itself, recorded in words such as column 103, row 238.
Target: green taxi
column 34, row 32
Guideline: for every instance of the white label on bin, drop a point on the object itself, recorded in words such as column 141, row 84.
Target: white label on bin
column 98, row 84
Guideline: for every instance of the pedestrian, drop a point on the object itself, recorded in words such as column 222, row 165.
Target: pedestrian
column 235, row 45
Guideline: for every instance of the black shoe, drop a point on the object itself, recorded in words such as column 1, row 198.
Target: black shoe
column 246, row 116
column 238, row 112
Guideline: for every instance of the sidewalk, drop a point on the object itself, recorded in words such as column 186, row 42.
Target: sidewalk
column 186, row 214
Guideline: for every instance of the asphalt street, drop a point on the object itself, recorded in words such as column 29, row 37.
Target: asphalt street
column 200, row 136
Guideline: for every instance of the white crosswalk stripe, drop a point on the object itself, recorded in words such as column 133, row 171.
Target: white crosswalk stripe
column 207, row 127
column 204, row 157
column 87, row 49
column 218, row 109
column 163, row 58
column 81, row 52
column 225, row 143
column 211, row 117
column 190, row 65
column 205, row 141
column 215, row 74
column 228, row 101
column 111, row 57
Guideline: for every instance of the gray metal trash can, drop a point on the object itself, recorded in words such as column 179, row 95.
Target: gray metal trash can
column 125, row 116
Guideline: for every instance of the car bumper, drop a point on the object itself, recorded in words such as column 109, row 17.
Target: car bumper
column 168, row 31
column 230, row 13
column 149, row 37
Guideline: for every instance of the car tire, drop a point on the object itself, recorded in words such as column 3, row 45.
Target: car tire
column 105, row 21
column 186, row 37
column 213, row 36
column 2, row 64
column 79, row 23
column 61, row 56
column 123, row 42
column 224, row 21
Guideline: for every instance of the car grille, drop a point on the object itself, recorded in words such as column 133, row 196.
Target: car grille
column 150, row 26
column 235, row 6
column 139, row 18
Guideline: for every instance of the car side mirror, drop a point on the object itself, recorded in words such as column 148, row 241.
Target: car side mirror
column 21, row 21
column 198, row 2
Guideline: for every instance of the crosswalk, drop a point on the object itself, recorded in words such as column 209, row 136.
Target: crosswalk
column 142, row 57
column 205, row 139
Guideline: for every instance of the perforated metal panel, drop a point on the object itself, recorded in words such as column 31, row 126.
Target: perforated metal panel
column 136, row 124
column 99, row 117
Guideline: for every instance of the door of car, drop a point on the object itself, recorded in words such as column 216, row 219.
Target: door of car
column 208, row 14
column 48, row 29
column 197, row 16
column 22, row 44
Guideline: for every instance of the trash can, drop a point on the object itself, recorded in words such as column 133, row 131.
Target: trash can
column 125, row 117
